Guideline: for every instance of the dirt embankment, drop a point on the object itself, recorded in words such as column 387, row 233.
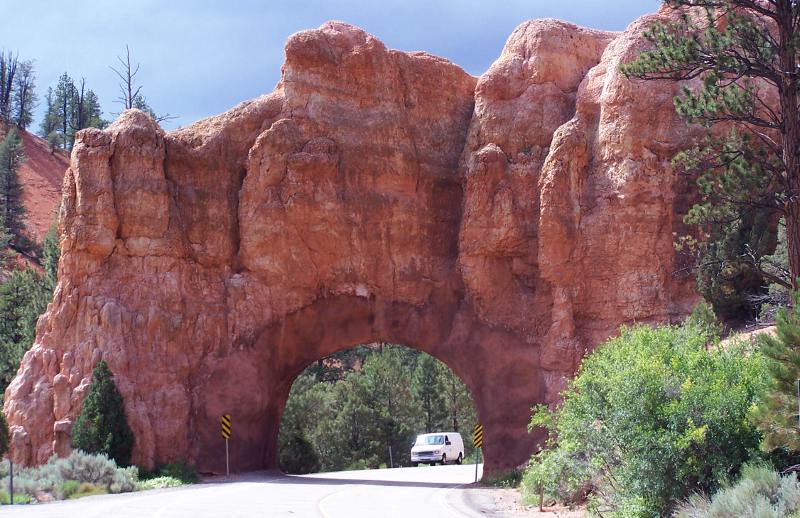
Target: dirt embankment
column 41, row 175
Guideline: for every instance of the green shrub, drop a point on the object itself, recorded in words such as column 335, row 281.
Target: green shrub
column 652, row 416
column 54, row 477
column 87, row 489
column 69, row 488
column 297, row 456
column 160, row 483
column 102, row 427
column 557, row 474
column 360, row 464
column 760, row 493
column 509, row 479
column 181, row 471
column 19, row 498
column 169, row 475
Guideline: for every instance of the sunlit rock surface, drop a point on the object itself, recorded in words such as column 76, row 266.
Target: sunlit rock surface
column 505, row 224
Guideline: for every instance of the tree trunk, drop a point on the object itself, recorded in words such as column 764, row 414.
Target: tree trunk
column 791, row 134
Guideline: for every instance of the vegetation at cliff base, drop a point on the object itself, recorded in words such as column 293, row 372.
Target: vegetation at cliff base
column 777, row 414
column 79, row 474
column 173, row 474
column 652, row 417
column 5, row 437
column 101, row 426
column 760, row 492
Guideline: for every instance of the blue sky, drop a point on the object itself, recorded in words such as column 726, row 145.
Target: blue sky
column 201, row 57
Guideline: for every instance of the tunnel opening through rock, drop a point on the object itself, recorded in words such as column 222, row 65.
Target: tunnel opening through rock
column 363, row 408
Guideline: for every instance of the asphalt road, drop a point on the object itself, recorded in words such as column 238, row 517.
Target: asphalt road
column 439, row 491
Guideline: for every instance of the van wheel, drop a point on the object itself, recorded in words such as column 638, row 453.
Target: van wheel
column 444, row 459
column 431, row 464
column 459, row 459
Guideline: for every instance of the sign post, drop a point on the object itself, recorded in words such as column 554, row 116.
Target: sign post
column 226, row 427
column 477, row 441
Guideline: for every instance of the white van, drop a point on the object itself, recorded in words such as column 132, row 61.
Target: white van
column 442, row 447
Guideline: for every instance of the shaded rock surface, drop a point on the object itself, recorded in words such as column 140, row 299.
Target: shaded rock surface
column 504, row 224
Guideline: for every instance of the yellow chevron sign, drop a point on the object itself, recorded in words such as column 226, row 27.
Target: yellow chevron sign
column 477, row 436
column 225, row 424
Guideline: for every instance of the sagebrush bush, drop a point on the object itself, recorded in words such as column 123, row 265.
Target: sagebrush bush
column 54, row 476
column 652, row 416
column 760, row 493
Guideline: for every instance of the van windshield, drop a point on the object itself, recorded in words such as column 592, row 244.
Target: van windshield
column 430, row 439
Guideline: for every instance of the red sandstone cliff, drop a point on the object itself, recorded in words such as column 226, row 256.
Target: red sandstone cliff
column 504, row 224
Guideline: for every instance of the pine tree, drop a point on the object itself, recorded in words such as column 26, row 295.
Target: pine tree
column 86, row 112
column 24, row 296
column 12, row 211
column 5, row 251
column 51, row 253
column 777, row 416
column 92, row 115
column 71, row 107
column 101, row 426
column 457, row 399
column 12, row 348
column 24, row 98
column 744, row 55
column 5, row 437
column 64, row 100
column 427, row 391
column 49, row 124
column 8, row 70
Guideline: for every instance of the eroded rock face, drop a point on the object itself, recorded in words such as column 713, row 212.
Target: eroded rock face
column 504, row 224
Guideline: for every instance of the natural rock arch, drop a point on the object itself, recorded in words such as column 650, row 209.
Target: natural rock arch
column 333, row 325
column 504, row 224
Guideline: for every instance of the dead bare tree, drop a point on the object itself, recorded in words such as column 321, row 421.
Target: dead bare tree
column 127, row 76
column 131, row 93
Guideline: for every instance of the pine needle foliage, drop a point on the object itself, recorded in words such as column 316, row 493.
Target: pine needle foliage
column 737, row 61
column 777, row 414
column 102, row 427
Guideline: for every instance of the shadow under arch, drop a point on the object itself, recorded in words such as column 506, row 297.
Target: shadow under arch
column 500, row 371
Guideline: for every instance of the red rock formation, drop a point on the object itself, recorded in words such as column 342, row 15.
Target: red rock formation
column 504, row 225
